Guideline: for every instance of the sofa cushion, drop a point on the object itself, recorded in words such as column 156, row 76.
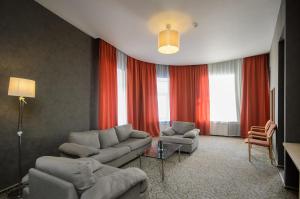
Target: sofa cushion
column 135, row 143
column 123, row 132
column 138, row 134
column 191, row 134
column 78, row 150
column 111, row 153
column 78, row 172
column 108, row 138
column 168, row 131
column 87, row 138
column 182, row 127
column 179, row 139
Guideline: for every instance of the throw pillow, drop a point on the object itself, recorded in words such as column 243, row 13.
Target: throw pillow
column 108, row 138
column 74, row 149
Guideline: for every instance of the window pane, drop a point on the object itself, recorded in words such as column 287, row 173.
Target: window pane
column 163, row 99
column 222, row 97
column 122, row 102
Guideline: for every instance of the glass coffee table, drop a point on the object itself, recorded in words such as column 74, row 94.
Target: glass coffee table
column 161, row 151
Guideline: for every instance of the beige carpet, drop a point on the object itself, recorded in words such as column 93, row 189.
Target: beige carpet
column 218, row 169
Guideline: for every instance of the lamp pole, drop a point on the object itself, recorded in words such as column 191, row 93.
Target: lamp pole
column 22, row 102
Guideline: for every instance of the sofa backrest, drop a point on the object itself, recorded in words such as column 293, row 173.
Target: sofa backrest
column 86, row 138
column 182, row 127
column 108, row 138
column 123, row 131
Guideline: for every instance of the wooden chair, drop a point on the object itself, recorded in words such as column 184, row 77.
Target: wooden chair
column 260, row 130
column 265, row 141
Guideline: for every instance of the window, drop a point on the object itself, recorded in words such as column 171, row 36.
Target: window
column 122, row 96
column 222, row 97
column 163, row 99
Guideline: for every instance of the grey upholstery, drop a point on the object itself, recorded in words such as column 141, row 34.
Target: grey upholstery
column 87, row 138
column 179, row 139
column 134, row 143
column 182, row 127
column 114, row 151
column 191, row 134
column 123, row 132
column 185, row 134
column 110, row 182
column 108, row 138
column 45, row 186
column 111, row 153
column 138, row 134
column 168, row 131
column 74, row 149
column 76, row 171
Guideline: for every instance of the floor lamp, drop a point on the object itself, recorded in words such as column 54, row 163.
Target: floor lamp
column 21, row 88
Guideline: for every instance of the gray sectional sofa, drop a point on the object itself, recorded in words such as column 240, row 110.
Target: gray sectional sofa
column 87, row 168
column 183, row 133
column 115, row 146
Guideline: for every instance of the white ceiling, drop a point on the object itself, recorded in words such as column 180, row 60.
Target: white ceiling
column 227, row 29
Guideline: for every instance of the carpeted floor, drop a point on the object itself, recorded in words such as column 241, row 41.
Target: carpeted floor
column 218, row 169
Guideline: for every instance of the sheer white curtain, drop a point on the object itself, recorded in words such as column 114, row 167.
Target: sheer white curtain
column 122, row 93
column 163, row 96
column 225, row 94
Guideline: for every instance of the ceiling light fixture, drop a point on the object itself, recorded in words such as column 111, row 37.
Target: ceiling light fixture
column 168, row 41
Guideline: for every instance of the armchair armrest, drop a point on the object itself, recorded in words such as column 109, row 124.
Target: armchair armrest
column 257, row 128
column 138, row 134
column 257, row 133
column 78, row 150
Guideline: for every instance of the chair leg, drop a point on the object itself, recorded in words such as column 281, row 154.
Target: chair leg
column 249, row 151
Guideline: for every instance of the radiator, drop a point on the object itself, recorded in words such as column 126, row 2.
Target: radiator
column 225, row 128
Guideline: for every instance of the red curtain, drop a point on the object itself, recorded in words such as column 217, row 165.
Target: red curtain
column 202, row 105
column 142, row 96
column 189, row 95
column 107, row 110
column 255, row 106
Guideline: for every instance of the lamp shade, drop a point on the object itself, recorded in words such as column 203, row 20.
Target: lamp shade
column 168, row 41
column 21, row 87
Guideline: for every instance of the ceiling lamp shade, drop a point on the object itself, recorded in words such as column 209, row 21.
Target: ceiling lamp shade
column 21, row 87
column 168, row 41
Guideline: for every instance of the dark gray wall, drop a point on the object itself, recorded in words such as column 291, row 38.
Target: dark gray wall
column 292, row 85
column 36, row 44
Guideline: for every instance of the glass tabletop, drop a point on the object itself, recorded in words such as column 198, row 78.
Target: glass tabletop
column 162, row 150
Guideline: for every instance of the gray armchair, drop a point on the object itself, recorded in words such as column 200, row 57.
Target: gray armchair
column 84, row 178
column 183, row 133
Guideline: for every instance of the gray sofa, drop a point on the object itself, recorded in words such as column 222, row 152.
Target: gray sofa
column 115, row 146
column 83, row 178
column 183, row 133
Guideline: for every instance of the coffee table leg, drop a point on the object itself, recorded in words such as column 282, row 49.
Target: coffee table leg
column 162, row 170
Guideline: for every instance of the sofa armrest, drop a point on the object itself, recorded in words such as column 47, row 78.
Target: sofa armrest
column 138, row 134
column 168, row 131
column 43, row 185
column 78, row 150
